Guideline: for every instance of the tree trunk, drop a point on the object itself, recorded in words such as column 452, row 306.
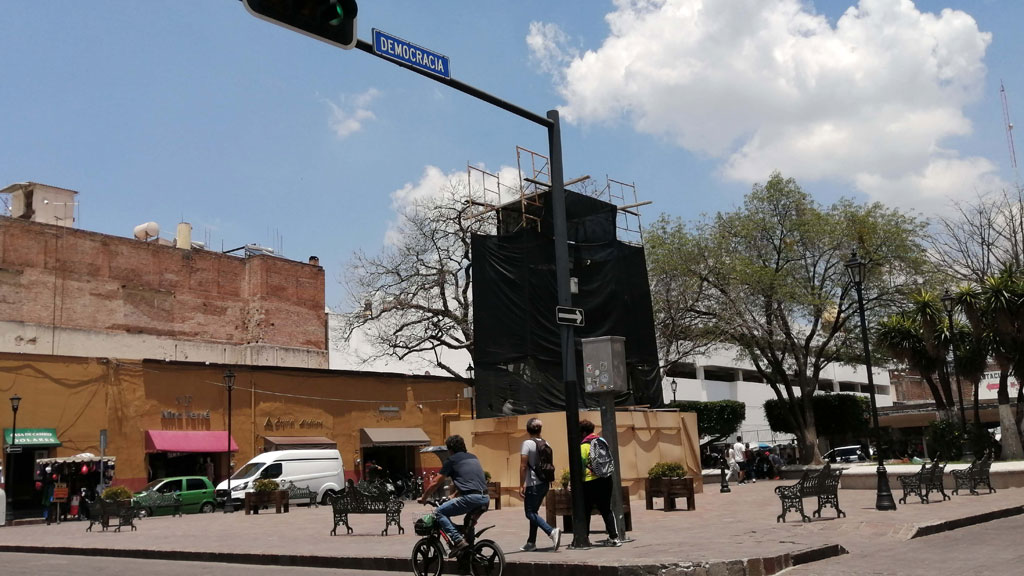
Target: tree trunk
column 807, row 435
column 977, row 403
column 1008, row 421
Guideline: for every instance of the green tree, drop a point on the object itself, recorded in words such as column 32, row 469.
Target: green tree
column 844, row 416
column 717, row 419
column 769, row 278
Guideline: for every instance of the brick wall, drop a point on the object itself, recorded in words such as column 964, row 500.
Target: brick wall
column 71, row 278
column 908, row 386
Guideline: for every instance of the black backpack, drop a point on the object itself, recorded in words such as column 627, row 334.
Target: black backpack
column 545, row 468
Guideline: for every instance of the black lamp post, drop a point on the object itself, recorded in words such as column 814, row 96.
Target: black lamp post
column 948, row 304
column 883, row 496
column 15, row 402
column 470, row 393
column 674, row 385
column 229, row 384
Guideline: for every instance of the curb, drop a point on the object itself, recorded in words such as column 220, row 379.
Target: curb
column 947, row 525
column 760, row 566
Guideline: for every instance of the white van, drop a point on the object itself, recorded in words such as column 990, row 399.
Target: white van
column 321, row 471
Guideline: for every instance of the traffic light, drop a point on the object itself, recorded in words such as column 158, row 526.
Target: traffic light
column 332, row 21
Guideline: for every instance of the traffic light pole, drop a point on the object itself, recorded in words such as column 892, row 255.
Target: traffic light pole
column 572, row 415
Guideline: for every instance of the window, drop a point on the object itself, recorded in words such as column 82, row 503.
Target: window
column 170, row 487
column 272, row 471
column 192, row 484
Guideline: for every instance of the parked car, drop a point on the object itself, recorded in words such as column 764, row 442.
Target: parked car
column 845, row 454
column 196, row 493
column 321, row 471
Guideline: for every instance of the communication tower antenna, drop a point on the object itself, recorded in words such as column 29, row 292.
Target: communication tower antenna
column 1009, row 128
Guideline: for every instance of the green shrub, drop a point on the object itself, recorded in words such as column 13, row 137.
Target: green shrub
column 487, row 476
column 565, row 478
column 265, row 485
column 667, row 470
column 946, row 439
column 115, row 493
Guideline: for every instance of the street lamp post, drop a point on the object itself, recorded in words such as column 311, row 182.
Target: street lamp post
column 469, row 392
column 229, row 384
column 15, row 402
column 948, row 304
column 674, row 385
column 883, row 495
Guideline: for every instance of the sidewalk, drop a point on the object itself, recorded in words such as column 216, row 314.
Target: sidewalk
column 734, row 534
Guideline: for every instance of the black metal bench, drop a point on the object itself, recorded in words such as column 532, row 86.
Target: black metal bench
column 149, row 504
column 923, row 482
column 301, row 493
column 823, row 484
column 353, row 500
column 977, row 474
column 105, row 512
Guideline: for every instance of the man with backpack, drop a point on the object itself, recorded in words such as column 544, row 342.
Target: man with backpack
column 536, row 472
column 598, row 465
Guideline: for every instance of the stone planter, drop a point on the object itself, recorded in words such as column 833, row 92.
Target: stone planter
column 669, row 489
column 256, row 500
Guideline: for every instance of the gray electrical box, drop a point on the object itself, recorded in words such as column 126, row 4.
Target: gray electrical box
column 604, row 364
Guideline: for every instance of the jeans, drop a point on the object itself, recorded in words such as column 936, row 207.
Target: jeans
column 457, row 507
column 533, row 497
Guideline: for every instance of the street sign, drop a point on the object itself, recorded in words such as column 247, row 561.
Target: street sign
column 14, row 449
column 570, row 316
column 394, row 48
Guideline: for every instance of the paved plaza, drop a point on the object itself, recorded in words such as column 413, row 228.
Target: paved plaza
column 733, row 533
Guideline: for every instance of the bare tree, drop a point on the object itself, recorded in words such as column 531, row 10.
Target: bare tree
column 414, row 297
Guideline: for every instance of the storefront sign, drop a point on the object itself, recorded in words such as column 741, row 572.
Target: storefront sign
column 291, row 424
column 388, row 413
column 60, row 492
column 33, row 437
column 184, row 415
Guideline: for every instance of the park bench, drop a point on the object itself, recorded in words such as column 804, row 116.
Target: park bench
column 977, row 474
column 926, row 480
column 352, row 500
column 106, row 513
column 149, row 503
column 823, row 484
column 301, row 493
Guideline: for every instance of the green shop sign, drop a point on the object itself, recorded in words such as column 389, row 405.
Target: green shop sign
column 33, row 437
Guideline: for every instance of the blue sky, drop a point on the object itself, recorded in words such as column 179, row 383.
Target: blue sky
column 197, row 111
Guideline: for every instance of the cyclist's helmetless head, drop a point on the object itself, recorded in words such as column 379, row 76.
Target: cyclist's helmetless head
column 455, row 443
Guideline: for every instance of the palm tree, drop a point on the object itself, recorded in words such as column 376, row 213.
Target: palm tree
column 994, row 311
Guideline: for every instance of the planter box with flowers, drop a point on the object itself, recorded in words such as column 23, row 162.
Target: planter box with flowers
column 266, row 492
column 668, row 480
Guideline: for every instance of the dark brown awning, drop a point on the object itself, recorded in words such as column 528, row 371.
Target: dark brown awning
column 393, row 437
column 271, row 443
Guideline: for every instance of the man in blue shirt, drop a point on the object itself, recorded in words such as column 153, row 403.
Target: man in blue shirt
column 467, row 476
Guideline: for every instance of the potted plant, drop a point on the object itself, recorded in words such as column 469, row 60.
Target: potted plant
column 264, row 492
column 493, row 490
column 564, row 478
column 116, row 494
column 668, row 480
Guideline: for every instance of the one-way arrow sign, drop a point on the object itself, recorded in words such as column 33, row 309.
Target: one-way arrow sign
column 570, row 316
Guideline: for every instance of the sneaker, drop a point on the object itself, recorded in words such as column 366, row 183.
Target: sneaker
column 528, row 547
column 754, row 480
column 611, row 542
column 458, row 548
column 556, row 538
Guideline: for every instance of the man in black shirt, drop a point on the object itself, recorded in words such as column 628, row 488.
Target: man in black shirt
column 467, row 475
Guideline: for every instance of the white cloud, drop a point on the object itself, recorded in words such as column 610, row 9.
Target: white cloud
column 434, row 181
column 761, row 85
column 351, row 113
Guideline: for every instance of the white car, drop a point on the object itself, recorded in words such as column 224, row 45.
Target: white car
column 845, row 454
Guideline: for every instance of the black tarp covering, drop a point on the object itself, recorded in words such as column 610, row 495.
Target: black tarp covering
column 517, row 350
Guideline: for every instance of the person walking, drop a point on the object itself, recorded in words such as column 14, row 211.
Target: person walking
column 536, row 472
column 738, row 450
column 748, row 459
column 597, row 481
column 730, row 459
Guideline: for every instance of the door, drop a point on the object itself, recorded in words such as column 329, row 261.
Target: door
column 197, row 491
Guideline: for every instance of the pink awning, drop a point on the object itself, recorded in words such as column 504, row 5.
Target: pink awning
column 188, row 441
